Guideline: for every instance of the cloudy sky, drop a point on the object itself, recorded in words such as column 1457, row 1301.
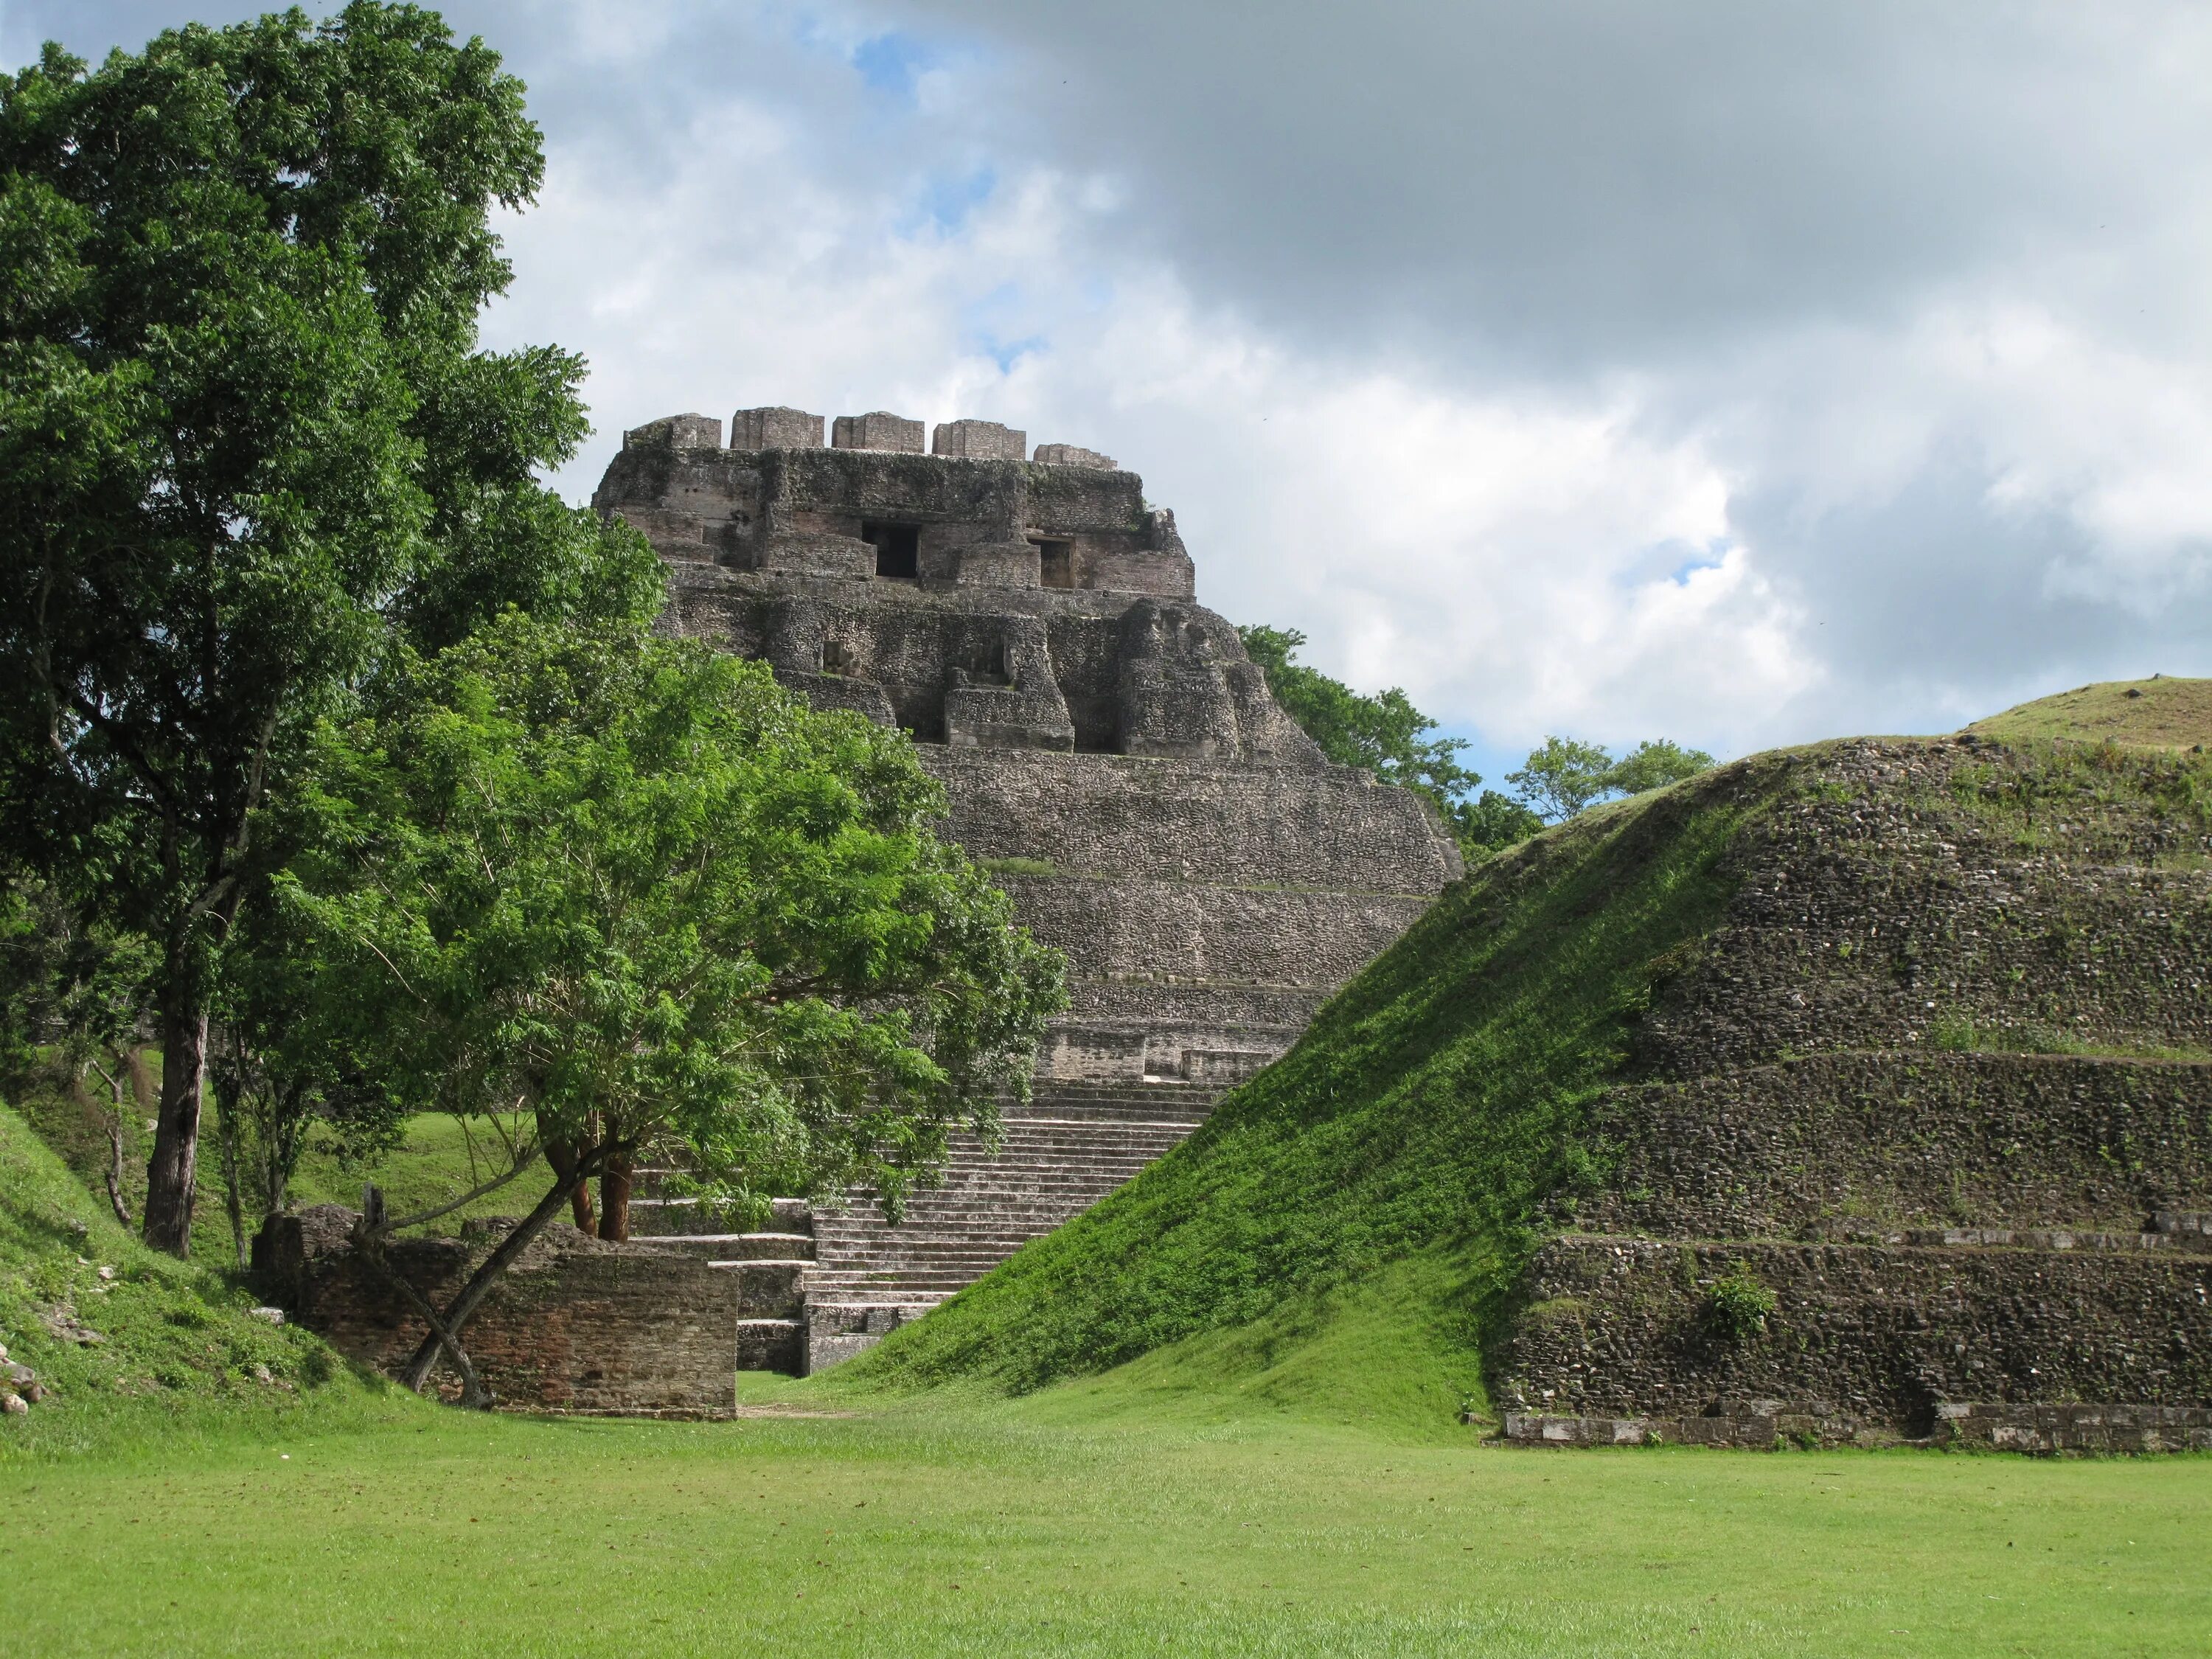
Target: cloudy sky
column 1743, row 373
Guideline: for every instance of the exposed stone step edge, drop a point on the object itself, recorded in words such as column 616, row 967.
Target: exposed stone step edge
column 1997, row 1424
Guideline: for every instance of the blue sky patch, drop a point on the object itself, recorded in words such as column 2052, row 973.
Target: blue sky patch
column 893, row 63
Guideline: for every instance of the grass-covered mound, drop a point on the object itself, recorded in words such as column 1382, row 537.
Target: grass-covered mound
column 128, row 1344
column 1337, row 1233
column 2159, row 712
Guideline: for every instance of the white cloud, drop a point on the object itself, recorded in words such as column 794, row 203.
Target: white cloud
column 1739, row 373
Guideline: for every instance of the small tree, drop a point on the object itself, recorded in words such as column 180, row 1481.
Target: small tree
column 1565, row 778
column 632, row 890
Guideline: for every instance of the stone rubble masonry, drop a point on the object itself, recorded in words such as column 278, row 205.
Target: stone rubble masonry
column 1075, row 455
column 878, row 429
column 979, row 440
column 1980, row 1424
column 1618, row 1326
column 575, row 1325
column 775, row 429
column 675, row 431
column 1937, row 1083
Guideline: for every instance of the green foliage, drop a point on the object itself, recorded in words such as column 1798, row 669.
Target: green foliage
column 1566, row 777
column 248, row 441
column 627, row 888
column 1384, row 733
column 1019, row 867
column 1387, row 735
column 1434, row 1106
column 1738, row 1306
column 1492, row 822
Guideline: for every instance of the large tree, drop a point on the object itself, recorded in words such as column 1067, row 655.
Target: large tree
column 628, row 893
column 247, row 440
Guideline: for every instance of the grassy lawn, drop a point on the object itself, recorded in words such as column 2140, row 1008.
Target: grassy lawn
column 1064, row 1524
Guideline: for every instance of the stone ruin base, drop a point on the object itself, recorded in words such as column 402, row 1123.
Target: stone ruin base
column 1978, row 1425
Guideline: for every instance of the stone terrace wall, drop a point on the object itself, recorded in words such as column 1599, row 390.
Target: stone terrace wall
column 1888, row 1140
column 1900, row 892
column 576, row 1325
column 1877, row 1336
column 1334, row 829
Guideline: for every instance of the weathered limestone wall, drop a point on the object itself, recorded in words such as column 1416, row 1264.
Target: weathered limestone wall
column 1876, row 1142
column 1330, row 829
column 1875, row 1336
column 1908, row 889
column 576, row 1325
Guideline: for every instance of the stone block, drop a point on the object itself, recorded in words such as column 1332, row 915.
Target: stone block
column 675, row 432
column 816, row 556
column 1075, row 455
column 979, row 440
column 877, row 430
column 988, row 564
column 775, row 428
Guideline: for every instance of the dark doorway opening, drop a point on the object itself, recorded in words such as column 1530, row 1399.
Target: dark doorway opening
column 898, row 549
column 1056, row 563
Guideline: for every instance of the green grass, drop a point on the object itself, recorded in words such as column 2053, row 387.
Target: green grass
column 439, row 1158
column 1039, row 1527
column 1433, row 1106
column 181, row 1357
column 2159, row 712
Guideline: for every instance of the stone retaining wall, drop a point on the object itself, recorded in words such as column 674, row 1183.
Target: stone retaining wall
column 1619, row 1327
column 1911, row 1139
column 575, row 1325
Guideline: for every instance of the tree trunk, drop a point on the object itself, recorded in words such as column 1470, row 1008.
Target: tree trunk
column 495, row 1266
column 116, row 1081
column 169, row 1173
column 562, row 1155
column 614, row 1196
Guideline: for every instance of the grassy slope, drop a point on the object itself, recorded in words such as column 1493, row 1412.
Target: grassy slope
column 1330, row 1240
column 181, row 1353
column 2162, row 713
column 441, row 1158
column 948, row 1529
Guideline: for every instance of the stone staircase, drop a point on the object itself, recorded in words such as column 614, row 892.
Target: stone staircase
column 771, row 1266
column 826, row 1282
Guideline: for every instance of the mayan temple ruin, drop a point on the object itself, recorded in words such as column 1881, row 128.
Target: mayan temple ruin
column 1110, row 753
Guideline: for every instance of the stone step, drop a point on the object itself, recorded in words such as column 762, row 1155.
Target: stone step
column 741, row 1247
column 2082, row 1239
column 980, row 1256
column 767, row 1290
column 1008, row 1211
column 771, row 1345
column 1014, row 1183
column 993, row 1232
column 2183, row 1223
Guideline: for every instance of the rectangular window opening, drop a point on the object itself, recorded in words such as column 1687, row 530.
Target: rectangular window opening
column 1056, row 563
column 898, row 549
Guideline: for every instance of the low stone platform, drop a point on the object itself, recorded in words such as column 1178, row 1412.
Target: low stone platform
column 1990, row 1424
